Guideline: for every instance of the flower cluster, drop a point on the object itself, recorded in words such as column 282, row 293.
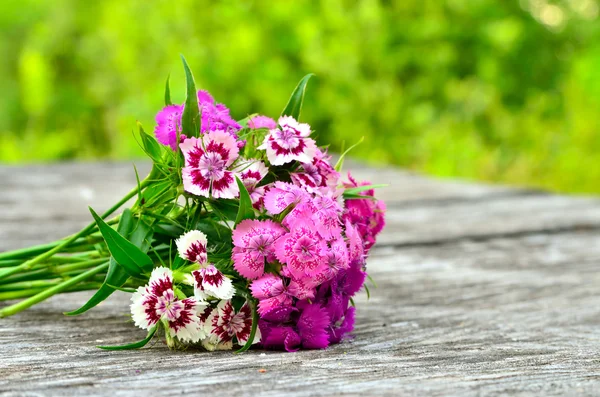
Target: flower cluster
column 298, row 260
column 243, row 233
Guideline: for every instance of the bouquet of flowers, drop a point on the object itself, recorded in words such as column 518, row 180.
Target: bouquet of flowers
column 242, row 233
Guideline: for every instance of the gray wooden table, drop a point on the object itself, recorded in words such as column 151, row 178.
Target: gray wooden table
column 482, row 290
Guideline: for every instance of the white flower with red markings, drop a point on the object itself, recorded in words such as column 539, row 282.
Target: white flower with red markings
column 207, row 161
column 251, row 172
column 289, row 142
column 192, row 246
column 209, row 281
column 157, row 301
column 223, row 324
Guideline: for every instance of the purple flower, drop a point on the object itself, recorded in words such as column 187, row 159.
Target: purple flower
column 168, row 124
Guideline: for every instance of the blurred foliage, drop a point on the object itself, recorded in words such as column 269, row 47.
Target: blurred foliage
column 486, row 89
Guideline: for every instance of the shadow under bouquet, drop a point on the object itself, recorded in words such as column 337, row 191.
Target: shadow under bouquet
column 242, row 233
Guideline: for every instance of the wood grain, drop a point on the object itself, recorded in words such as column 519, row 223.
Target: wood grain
column 482, row 290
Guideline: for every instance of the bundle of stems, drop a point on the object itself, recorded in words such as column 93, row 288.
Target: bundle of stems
column 75, row 263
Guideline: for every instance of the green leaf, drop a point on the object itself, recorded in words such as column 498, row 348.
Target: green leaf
column 226, row 209
column 115, row 276
column 245, row 210
column 168, row 92
column 151, row 145
column 359, row 189
column 294, row 105
column 133, row 259
column 340, row 162
column 190, row 120
column 135, row 345
column 252, row 331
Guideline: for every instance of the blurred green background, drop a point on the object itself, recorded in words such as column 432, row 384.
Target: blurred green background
column 498, row 90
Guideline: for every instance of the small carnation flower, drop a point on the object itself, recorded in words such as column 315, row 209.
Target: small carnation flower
column 281, row 195
column 157, row 302
column 192, row 246
column 215, row 116
column 317, row 175
column 302, row 250
column 289, row 142
column 223, row 324
column 206, row 165
column 262, row 122
column 209, row 281
column 271, row 293
column 251, row 172
column 168, row 124
column 254, row 245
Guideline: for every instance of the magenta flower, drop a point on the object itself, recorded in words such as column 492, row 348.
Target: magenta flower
column 343, row 326
column 302, row 250
column 223, row 324
column 254, row 244
column 206, row 165
column 209, row 281
column 192, row 246
column 366, row 214
column 157, row 302
column 289, row 142
column 168, row 124
column 290, row 331
column 215, row 116
column 262, row 122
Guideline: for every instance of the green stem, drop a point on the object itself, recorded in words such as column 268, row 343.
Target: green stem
column 52, row 271
column 17, row 307
column 40, row 249
column 65, row 243
column 10, row 295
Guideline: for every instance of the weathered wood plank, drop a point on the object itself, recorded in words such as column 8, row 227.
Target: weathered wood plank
column 481, row 291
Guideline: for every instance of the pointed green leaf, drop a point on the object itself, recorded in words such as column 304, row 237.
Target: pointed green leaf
column 150, row 144
column 168, row 92
column 340, row 162
column 190, row 120
column 294, row 105
column 359, row 189
column 133, row 259
column 115, row 275
column 135, row 345
column 245, row 210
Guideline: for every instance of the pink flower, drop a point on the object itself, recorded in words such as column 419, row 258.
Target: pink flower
column 270, row 292
column 251, row 172
column 312, row 327
column 206, row 165
column 262, row 122
column 301, row 250
column 223, row 324
column 281, row 195
column 209, row 281
column 289, row 142
column 337, row 259
column 168, row 124
column 253, row 245
column 192, row 246
column 157, row 302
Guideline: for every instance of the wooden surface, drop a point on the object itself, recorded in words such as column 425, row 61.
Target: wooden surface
column 481, row 291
